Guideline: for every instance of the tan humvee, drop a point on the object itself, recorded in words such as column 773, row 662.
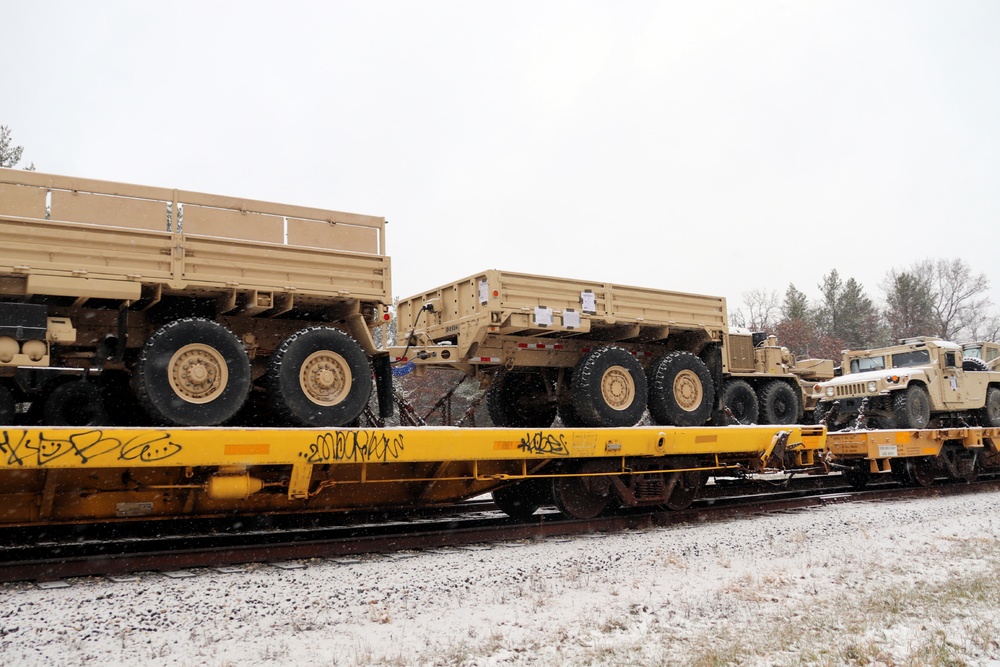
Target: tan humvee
column 190, row 302
column 987, row 351
column 910, row 385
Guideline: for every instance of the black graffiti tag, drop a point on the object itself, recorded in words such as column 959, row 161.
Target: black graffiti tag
column 542, row 443
column 354, row 446
column 85, row 446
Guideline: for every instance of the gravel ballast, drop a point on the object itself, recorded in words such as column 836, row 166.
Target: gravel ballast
column 889, row 583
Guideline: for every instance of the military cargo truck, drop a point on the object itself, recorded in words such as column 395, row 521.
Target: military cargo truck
column 600, row 354
column 922, row 382
column 766, row 384
column 188, row 303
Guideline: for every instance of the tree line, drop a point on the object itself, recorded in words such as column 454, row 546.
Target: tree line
column 933, row 297
column 10, row 154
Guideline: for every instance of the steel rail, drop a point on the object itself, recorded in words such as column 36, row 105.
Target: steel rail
column 46, row 562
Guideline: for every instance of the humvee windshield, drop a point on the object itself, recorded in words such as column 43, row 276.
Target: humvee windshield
column 913, row 358
column 977, row 351
column 867, row 364
column 899, row 360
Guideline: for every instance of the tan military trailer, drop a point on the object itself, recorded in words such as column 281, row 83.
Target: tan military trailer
column 922, row 382
column 187, row 303
column 598, row 354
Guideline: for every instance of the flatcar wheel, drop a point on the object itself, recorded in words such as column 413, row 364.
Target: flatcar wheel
column 685, row 491
column 319, row 377
column 192, row 372
column 74, row 404
column 857, row 476
column 6, row 406
column 921, row 471
column 520, row 500
column 583, row 497
column 520, row 400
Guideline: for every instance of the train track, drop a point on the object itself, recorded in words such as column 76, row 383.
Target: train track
column 54, row 553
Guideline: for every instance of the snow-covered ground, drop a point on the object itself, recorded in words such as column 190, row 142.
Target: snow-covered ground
column 890, row 583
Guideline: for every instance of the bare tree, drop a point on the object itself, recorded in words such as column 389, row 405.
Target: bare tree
column 762, row 310
column 960, row 302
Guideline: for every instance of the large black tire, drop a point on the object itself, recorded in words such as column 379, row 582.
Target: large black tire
column 681, row 390
column 74, row 404
column 520, row 400
column 779, row 403
column 911, row 407
column 6, row 406
column 609, row 388
column 739, row 398
column 974, row 364
column 568, row 415
column 192, row 372
column 319, row 377
column 990, row 414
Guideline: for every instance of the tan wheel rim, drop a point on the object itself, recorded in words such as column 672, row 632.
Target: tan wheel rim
column 688, row 391
column 198, row 373
column 325, row 377
column 617, row 388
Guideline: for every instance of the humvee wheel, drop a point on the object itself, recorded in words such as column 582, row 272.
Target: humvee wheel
column 74, row 404
column 609, row 388
column 990, row 414
column 912, row 407
column 681, row 390
column 319, row 377
column 192, row 372
column 738, row 396
column 779, row 403
column 520, row 400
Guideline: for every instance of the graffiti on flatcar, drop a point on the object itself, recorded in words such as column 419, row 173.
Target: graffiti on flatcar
column 544, row 443
column 89, row 446
column 354, row 446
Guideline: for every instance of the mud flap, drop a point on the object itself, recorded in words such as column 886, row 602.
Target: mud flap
column 383, row 385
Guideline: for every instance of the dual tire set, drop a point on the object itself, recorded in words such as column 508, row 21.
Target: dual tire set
column 195, row 372
column 607, row 387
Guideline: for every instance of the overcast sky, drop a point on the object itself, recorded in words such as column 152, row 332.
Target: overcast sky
column 711, row 147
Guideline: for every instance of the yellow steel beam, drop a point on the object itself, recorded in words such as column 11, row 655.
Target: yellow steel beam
column 901, row 444
column 85, row 447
